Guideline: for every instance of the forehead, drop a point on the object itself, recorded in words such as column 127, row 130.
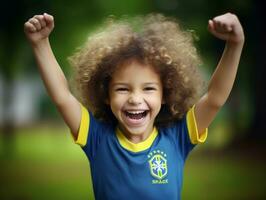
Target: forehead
column 134, row 70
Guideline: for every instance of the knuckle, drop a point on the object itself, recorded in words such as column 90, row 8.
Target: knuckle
column 233, row 16
column 33, row 20
column 39, row 17
column 215, row 19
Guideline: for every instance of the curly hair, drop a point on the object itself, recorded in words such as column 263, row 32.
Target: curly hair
column 153, row 39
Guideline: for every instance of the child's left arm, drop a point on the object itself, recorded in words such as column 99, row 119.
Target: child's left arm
column 225, row 27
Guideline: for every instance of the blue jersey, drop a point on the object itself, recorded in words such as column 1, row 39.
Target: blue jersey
column 150, row 170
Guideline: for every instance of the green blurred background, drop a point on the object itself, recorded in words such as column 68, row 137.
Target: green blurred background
column 38, row 159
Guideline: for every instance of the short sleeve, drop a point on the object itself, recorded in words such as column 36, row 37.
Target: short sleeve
column 187, row 135
column 194, row 135
column 84, row 127
column 90, row 133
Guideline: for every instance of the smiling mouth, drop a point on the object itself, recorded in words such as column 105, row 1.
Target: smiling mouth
column 136, row 115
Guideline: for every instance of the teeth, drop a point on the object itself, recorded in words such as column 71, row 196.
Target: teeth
column 135, row 112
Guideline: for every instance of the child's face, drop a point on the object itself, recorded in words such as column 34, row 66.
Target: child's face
column 135, row 97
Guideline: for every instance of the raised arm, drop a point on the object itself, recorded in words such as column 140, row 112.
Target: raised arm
column 37, row 30
column 225, row 27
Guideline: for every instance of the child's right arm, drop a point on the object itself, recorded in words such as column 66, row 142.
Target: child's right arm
column 37, row 30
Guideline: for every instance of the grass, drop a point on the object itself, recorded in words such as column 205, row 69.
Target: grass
column 45, row 164
column 224, row 178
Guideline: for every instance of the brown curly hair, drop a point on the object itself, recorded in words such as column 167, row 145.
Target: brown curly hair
column 153, row 39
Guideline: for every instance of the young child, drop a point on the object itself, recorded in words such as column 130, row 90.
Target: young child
column 138, row 114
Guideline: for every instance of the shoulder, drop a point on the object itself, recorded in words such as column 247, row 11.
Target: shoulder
column 91, row 127
column 173, row 129
column 186, row 127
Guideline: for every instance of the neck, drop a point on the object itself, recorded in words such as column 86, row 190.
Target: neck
column 137, row 138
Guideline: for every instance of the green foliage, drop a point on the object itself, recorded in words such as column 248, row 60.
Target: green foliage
column 74, row 20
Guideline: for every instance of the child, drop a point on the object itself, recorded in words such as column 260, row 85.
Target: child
column 140, row 88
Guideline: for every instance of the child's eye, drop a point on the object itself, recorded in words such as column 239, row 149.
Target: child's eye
column 149, row 88
column 121, row 89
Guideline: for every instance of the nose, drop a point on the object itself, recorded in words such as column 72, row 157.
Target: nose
column 135, row 99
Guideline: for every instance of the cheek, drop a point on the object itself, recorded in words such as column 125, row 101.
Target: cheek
column 116, row 102
column 156, row 101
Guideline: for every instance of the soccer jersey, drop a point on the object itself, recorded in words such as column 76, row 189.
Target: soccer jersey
column 150, row 170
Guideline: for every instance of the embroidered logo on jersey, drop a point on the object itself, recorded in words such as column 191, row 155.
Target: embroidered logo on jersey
column 158, row 166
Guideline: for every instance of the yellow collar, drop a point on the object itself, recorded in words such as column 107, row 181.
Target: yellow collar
column 125, row 143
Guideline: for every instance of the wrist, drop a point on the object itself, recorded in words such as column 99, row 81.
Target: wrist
column 40, row 43
column 236, row 43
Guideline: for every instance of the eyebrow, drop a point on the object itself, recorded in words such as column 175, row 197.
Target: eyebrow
column 126, row 84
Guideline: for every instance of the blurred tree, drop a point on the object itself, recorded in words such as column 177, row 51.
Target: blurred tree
column 10, row 36
column 74, row 20
column 258, row 42
column 13, row 14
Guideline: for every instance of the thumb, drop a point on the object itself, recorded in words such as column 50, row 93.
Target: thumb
column 49, row 19
column 211, row 27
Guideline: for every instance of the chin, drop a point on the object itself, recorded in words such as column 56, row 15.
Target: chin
column 137, row 130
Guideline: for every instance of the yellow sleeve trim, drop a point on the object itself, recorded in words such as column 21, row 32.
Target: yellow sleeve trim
column 84, row 127
column 194, row 135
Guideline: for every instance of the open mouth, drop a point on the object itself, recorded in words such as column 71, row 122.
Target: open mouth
column 136, row 115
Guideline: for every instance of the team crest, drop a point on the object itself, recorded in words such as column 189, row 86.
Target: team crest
column 158, row 164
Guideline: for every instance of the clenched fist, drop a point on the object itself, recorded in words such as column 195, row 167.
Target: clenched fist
column 227, row 27
column 39, row 27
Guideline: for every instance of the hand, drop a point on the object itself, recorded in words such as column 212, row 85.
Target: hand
column 39, row 27
column 227, row 27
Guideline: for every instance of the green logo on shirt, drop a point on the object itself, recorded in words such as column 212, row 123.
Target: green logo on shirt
column 158, row 166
